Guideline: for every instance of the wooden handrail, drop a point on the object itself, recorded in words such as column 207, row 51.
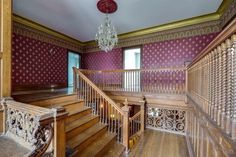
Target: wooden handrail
column 42, row 113
column 127, row 70
column 135, row 116
column 226, row 33
column 140, row 80
column 99, row 91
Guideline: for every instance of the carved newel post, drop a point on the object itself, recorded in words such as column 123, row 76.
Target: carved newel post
column 126, row 125
column 142, row 109
column 59, row 132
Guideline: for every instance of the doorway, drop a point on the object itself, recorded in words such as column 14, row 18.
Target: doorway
column 132, row 58
column 73, row 61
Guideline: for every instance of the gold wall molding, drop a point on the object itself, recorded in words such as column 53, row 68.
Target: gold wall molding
column 37, row 26
column 5, row 48
column 183, row 32
column 31, row 32
column 228, row 13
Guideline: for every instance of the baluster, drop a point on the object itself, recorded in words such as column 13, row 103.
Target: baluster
column 103, row 111
column 106, row 112
column 115, row 120
column 228, row 86
column 233, row 105
column 118, row 127
column 213, row 84
column 220, row 50
column 222, row 86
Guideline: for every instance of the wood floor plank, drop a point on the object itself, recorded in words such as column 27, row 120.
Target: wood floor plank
column 160, row 144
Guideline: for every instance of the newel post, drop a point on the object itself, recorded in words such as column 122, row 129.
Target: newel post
column 59, row 132
column 3, row 113
column 126, row 125
column 74, row 79
column 142, row 109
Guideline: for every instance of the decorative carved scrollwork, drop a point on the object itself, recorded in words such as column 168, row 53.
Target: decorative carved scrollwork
column 166, row 119
column 27, row 128
column 43, row 137
column 22, row 124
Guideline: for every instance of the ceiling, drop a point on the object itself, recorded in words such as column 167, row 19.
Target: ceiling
column 80, row 19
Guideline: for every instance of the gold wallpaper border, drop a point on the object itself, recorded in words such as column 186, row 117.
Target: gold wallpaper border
column 183, row 32
column 21, row 29
column 228, row 13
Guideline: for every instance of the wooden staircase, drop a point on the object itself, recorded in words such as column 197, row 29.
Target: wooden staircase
column 85, row 135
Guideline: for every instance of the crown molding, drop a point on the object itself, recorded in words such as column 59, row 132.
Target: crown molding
column 169, row 26
column 224, row 5
column 37, row 26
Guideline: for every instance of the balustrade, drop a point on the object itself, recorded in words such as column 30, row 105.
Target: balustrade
column 160, row 81
column 211, row 90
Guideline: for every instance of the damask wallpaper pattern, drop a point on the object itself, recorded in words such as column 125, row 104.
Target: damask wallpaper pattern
column 37, row 63
column 102, row 60
column 160, row 54
column 174, row 52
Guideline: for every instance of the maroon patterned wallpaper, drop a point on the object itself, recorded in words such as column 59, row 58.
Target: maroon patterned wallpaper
column 160, row 54
column 102, row 60
column 174, row 52
column 37, row 63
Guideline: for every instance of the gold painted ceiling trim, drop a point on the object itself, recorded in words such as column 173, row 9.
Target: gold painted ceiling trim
column 224, row 5
column 177, row 24
column 35, row 25
column 168, row 26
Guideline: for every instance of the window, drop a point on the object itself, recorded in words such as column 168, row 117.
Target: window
column 73, row 61
column 132, row 57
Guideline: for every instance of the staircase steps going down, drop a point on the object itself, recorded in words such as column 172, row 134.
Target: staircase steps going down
column 85, row 135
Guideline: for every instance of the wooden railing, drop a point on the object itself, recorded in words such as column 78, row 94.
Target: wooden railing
column 110, row 113
column 212, row 92
column 137, row 122
column 160, row 81
column 29, row 126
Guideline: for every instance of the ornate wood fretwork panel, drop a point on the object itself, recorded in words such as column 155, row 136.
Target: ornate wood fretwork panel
column 29, row 126
column 171, row 120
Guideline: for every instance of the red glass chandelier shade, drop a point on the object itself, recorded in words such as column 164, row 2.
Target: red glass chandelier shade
column 107, row 6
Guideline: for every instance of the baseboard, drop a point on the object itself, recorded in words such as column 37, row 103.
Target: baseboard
column 190, row 148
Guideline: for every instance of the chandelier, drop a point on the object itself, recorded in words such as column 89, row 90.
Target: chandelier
column 106, row 36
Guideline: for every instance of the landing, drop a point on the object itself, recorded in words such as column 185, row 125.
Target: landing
column 160, row 144
column 35, row 95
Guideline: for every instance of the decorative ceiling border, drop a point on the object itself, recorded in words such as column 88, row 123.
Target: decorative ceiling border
column 21, row 29
column 228, row 13
column 224, row 13
column 182, row 32
column 42, row 28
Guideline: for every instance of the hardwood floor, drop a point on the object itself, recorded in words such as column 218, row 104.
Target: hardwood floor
column 160, row 144
column 35, row 95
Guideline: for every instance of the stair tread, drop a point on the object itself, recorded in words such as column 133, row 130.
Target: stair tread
column 98, row 145
column 78, row 110
column 70, row 102
column 115, row 151
column 79, row 122
column 77, row 140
